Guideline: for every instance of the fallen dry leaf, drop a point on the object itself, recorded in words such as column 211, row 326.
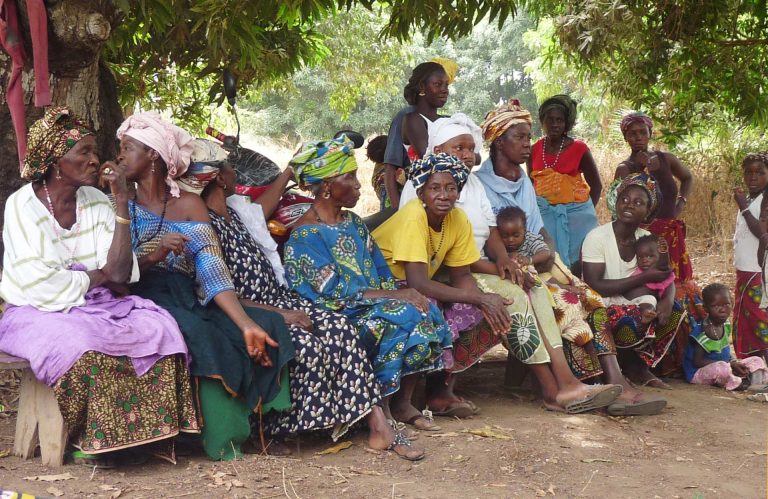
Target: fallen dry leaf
column 440, row 435
column 50, row 478
column 238, row 484
column 488, row 432
column 596, row 460
column 551, row 489
column 5, row 453
column 682, row 459
column 336, row 448
column 115, row 494
column 54, row 491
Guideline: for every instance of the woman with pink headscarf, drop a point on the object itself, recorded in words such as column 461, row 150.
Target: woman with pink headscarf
column 239, row 356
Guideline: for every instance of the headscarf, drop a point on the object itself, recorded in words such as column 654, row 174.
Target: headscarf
column 635, row 117
column 420, row 170
column 206, row 160
column 50, row 138
column 253, row 168
column 642, row 180
column 172, row 143
column 450, row 67
column 565, row 104
column 502, row 118
column 444, row 129
column 317, row 161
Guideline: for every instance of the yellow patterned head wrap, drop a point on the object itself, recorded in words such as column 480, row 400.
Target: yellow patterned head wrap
column 317, row 161
column 50, row 138
column 502, row 118
column 450, row 67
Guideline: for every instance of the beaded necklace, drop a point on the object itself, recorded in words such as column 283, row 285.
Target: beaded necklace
column 557, row 157
column 55, row 224
column 433, row 260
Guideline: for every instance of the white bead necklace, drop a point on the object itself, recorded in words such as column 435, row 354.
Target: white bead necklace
column 55, row 224
column 543, row 152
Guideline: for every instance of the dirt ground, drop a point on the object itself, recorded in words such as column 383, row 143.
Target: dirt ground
column 707, row 443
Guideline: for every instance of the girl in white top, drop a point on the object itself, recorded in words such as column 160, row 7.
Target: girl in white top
column 750, row 321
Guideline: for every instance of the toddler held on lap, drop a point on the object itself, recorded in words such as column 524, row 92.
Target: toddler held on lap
column 709, row 357
column 651, row 253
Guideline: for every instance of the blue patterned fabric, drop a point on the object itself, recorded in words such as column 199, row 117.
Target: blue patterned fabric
column 568, row 224
column 331, row 265
column 202, row 259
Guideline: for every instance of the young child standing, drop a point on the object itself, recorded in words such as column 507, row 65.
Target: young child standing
column 709, row 359
column 750, row 321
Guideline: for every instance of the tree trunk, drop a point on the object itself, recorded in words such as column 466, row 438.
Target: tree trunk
column 79, row 79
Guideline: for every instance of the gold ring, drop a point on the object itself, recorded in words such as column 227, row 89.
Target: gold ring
column 107, row 171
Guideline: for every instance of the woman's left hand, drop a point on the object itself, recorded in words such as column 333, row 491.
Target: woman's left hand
column 506, row 266
column 256, row 341
column 113, row 175
column 663, row 312
column 495, row 312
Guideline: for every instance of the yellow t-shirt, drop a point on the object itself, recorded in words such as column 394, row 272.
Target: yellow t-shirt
column 407, row 237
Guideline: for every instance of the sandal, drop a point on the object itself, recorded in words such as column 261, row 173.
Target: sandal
column 400, row 427
column 401, row 441
column 640, row 408
column 423, row 422
column 100, row 461
column 457, row 409
column 598, row 396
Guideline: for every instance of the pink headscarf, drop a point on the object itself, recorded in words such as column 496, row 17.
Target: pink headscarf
column 172, row 143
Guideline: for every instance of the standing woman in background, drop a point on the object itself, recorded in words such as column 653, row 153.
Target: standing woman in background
column 565, row 178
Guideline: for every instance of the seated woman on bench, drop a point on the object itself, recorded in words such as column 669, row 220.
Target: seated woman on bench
column 117, row 365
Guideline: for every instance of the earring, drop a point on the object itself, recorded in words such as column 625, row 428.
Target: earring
column 153, row 166
column 327, row 195
column 424, row 205
column 422, row 93
column 58, row 174
column 224, row 187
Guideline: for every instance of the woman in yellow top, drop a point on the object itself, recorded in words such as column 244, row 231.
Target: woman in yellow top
column 427, row 233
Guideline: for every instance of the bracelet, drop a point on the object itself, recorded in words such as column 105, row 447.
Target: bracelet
column 685, row 199
column 121, row 220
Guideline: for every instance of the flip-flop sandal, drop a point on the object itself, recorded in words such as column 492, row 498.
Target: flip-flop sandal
column 758, row 397
column 460, row 410
column 594, row 400
column 656, row 383
column 402, row 440
column 427, row 424
column 399, row 426
column 475, row 408
column 760, row 388
column 644, row 408
column 99, row 461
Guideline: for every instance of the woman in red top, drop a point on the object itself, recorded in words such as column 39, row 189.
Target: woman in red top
column 566, row 180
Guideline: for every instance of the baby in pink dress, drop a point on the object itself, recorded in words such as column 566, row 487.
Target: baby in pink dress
column 651, row 252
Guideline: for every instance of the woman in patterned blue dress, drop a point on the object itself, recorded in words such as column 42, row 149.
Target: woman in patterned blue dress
column 238, row 356
column 331, row 380
column 332, row 260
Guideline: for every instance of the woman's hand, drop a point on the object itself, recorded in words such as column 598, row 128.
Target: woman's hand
column 256, row 341
column 413, row 297
column 655, row 275
column 172, row 242
column 739, row 369
column 505, row 265
column 495, row 312
column 663, row 312
column 647, row 160
column 741, row 198
column 114, row 175
column 297, row 318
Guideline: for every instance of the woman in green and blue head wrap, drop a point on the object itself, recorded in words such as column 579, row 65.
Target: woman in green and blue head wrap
column 332, row 261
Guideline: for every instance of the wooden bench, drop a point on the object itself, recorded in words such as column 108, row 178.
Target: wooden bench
column 38, row 418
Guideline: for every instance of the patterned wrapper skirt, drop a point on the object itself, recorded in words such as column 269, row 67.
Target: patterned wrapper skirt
column 750, row 331
column 106, row 407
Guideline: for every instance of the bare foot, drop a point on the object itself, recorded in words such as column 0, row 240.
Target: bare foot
column 385, row 438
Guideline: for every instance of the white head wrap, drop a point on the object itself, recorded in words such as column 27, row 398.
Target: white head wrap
column 172, row 143
column 444, row 129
